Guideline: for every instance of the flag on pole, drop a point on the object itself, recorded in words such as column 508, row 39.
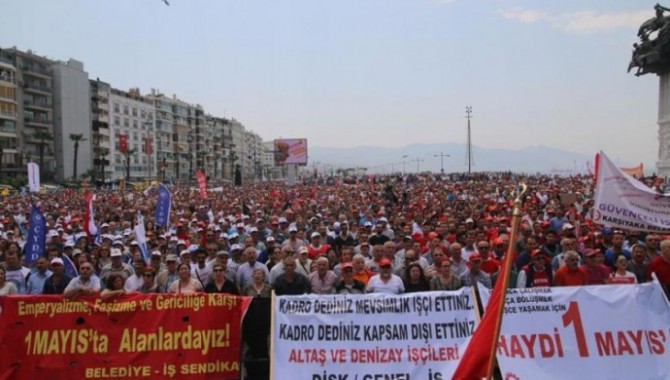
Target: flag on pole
column 202, row 183
column 479, row 357
column 37, row 233
column 33, row 177
column 68, row 267
column 89, row 222
column 163, row 206
column 141, row 238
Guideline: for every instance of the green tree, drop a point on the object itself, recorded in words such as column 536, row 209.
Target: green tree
column 76, row 138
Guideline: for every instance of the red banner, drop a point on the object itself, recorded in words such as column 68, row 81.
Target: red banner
column 202, row 183
column 157, row 336
column 148, row 146
column 123, row 143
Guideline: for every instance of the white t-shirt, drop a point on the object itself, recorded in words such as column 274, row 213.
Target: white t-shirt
column 393, row 286
column 18, row 278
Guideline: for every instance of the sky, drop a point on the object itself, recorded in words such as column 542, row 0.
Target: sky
column 373, row 72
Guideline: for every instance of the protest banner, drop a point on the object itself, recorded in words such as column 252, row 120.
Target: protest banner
column 624, row 202
column 376, row 336
column 606, row 331
column 158, row 336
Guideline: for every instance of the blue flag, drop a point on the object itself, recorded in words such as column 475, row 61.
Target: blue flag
column 163, row 206
column 37, row 236
column 68, row 267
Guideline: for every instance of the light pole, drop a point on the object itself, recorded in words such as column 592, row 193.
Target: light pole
column 442, row 156
column 418, row 163
column 403, row 164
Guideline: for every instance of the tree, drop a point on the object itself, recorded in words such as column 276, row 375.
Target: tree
column 77, row 138
column 102, row 157
column 232, row 157
column 217, row 156
column 43, row 137
column 128, row 153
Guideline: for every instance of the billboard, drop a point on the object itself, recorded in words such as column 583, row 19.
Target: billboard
column 291, row 151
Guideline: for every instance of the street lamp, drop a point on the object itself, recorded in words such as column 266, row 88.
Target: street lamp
column 403, row 164
column 442, row 156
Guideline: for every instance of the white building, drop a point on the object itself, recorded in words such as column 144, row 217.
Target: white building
column 133, row 116
column 72, row 120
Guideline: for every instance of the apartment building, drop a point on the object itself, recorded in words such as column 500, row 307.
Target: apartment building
column 132, row 134
column 72, row 120
column 101, row 136
column 26, row 113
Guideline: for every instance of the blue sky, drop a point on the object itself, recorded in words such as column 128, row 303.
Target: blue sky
column 372, row 72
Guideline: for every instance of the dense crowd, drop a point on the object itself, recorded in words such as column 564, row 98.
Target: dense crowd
column 385, row 234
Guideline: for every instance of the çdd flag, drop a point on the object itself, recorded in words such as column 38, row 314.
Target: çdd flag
column 33, row 177
column 141, row 238
column 624, row 202
column 37, row 232
column 163, row 206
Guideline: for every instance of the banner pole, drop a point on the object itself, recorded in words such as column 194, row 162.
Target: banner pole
column 516, row 217
column 271, row 354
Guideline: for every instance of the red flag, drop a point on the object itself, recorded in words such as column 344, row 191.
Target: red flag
column 89, row 218
column 478, row 359
column 474, row 363
column 123, row 143
column 202, row 183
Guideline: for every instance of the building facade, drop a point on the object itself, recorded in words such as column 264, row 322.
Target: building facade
column 132, row 134
column 26, row 113
column 72, row 120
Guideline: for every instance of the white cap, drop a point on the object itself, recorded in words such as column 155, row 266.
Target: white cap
column 293, row 228
column 181, row 242
column 184, row 252
column 156, row 253
column 192, row 248
column 56, row 260
column 269, row 239
column 283, row 220
column 115, row 252
column 315, row 234
column 127, row 232
column 235, row 247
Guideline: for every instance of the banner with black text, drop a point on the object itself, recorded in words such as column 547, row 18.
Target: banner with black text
column 375, row 336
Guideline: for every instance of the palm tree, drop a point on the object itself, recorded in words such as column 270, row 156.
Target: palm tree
column 232, row 157
column 102, row 155
column 43, row 137
column 128, row 153
column 77, row 138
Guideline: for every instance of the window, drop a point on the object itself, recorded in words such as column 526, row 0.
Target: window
column 117, row 121
column 143, row 113
column 117, row 108
column 125, row 109
column 135, row 124
column 134, row 136
column 126, row 122
column 134, row 111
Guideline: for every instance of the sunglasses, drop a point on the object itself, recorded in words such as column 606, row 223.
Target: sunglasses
column 218, row 270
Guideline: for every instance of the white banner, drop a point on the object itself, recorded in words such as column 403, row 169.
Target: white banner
column 600, row 332
column 368, row 337
column 33, row 177
column 622, row 201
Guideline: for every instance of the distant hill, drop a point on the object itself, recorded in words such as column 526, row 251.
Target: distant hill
column 531, row 159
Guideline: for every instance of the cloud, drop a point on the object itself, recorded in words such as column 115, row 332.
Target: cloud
column 579, row 22
column 443, row 1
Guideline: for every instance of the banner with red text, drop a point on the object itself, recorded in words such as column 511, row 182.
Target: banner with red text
column 135, row 336
column 605, row 331
column 375, row 336
column 623, row 201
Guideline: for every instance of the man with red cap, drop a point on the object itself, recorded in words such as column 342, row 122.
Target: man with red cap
column 538, row 273
column 385, row 281
column 489, row 264
column 597, row 274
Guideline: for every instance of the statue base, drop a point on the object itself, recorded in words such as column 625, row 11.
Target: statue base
column 663, row 163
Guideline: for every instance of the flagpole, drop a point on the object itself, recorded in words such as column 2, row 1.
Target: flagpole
column 516, row 217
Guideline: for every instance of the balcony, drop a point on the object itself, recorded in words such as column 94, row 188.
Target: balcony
column 41, row 121
column 37, row 88
column 7, row 129
column 8, row 114
column 36, row 71
column 45, row 105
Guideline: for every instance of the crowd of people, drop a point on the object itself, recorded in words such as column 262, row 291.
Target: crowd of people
column 383, row 234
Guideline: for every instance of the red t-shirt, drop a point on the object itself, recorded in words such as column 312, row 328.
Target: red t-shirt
column 313, row 252
column 662, row 269
column 566, row 277
column 490, row 266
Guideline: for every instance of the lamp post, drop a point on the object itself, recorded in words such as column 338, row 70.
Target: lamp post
column 403, row 164
column 442, row 156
